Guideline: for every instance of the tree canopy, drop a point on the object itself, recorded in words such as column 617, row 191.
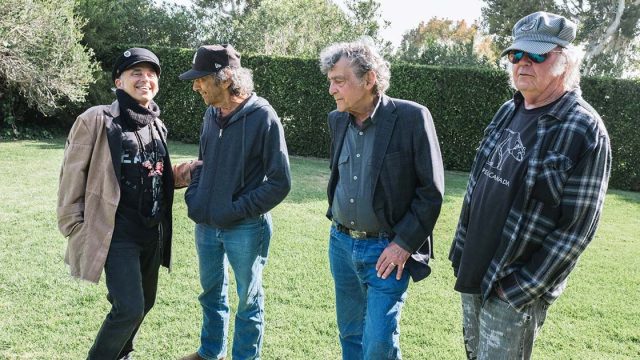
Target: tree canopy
column 41, row 58
column 366, row 18
column 445, row 42
column 608, row 29
column 290, row 28
column 114, row 23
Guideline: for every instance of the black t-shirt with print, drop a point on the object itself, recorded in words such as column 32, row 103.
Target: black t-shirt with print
column 499, row 182
column 136, row 186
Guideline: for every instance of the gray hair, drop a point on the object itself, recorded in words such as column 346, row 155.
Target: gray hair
column 569, row 68
column 363, row 57
column 241, row 80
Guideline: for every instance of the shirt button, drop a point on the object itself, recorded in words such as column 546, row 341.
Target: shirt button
column 357, row 155
column 352, row 223
column 360, row 133
column 355, row 178
column 351, row 201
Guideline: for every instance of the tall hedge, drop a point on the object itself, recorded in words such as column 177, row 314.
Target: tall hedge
column 618, row 102
column 461, row 100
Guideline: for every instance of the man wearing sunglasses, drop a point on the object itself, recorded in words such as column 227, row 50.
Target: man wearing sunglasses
column 534, row 196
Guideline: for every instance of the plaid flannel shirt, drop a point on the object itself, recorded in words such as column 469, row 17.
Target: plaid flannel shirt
column 556, row 212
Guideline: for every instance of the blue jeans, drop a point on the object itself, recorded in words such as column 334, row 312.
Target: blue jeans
column 245, row 247
column 495, row 330
column 131, row 272
column 367, row 307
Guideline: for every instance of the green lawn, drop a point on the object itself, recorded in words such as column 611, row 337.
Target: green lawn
column 46, row 315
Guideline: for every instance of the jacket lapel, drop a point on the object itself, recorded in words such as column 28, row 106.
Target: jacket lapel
column 114, row 136
column 385, row 121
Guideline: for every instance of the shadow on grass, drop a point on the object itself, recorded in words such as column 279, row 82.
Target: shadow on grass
column 625, row 196
column 176, row 148
column 183, row 150
column 455, row 184
column 309, row 178
column 46, row 144
column 310, row 175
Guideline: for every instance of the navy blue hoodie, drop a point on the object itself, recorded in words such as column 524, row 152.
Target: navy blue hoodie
column 245, row 169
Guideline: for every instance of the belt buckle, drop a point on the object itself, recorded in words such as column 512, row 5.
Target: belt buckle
column 358, row 234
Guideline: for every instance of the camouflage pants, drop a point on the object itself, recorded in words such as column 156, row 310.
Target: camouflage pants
column 495, row 330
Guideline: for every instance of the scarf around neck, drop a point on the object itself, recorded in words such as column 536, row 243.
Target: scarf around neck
column 135, row 115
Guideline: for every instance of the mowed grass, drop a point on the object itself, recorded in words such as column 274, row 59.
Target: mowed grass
column 44, row 314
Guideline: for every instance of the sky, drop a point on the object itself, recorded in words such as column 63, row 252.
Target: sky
column 407, row 14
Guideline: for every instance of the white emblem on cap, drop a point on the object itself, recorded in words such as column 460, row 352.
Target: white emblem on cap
column 127, row 53
column 529, row 26
column 218, row 66
column 194, row 58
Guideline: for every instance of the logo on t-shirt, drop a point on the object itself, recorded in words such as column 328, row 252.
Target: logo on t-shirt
column 510, row 147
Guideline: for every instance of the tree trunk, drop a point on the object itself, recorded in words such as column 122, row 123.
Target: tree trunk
column 599, row 45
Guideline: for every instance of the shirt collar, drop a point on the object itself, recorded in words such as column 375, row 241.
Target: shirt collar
column 375, row 110
column 559, row 109
column 371, row 120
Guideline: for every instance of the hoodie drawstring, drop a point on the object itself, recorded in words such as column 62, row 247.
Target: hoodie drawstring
column 244, row 126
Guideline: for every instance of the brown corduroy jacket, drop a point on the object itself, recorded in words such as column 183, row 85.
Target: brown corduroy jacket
column 89, row 191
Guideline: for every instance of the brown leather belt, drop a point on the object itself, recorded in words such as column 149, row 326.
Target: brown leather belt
column 360, row 235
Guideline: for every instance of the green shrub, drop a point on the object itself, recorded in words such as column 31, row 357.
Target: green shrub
column 618, row 102
column 461, row 100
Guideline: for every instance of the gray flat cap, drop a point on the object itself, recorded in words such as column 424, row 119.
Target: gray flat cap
column 541, row 32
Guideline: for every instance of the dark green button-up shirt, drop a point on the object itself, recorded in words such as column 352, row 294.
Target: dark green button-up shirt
column 353, row 199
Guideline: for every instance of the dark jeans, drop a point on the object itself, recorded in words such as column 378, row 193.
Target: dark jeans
column 131, row 273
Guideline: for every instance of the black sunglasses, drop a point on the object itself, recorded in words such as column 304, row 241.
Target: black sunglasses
column 516, row 55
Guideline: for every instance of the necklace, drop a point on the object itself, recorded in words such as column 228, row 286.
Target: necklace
column 153, row 165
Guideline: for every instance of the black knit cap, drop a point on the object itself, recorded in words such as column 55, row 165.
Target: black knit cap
column 134, row 56
column 209, row 59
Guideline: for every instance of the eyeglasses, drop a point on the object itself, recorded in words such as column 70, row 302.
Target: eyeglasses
column 516, row 55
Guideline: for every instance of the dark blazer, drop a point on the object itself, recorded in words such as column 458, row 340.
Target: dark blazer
column 408, row 184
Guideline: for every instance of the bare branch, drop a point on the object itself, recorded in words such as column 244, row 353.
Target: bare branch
column 609, row 32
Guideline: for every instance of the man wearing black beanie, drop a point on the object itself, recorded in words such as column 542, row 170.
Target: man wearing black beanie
column 114, row 200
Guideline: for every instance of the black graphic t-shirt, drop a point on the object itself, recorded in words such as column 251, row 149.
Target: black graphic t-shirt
column 501, row 178
column 138, row 184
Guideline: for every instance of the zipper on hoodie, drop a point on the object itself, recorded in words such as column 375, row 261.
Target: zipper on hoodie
column 220, row 134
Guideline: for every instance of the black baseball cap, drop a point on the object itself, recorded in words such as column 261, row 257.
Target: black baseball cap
column 209, row 59
column 134, row 56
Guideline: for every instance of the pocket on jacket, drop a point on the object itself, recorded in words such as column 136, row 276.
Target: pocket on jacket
column 549, row 185
column 69, row 217
column 75, row 241
column 77, row 227
column 195, row 208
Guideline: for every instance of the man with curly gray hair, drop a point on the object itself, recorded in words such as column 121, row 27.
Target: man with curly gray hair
column 385, row 192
